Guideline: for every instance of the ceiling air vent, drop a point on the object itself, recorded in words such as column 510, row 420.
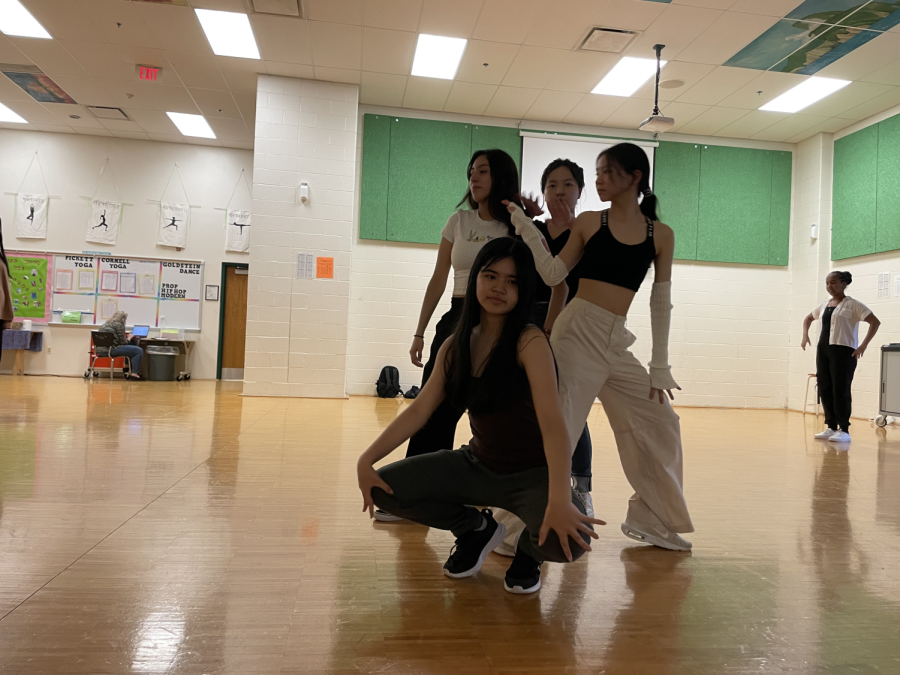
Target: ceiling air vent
column 281, row 7
column 608, row 40
column 104, row 113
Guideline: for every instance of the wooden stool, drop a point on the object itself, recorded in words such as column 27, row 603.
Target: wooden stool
column 815, row 404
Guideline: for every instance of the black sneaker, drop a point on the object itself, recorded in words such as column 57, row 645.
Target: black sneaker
column 524, row 575
column 472, row 548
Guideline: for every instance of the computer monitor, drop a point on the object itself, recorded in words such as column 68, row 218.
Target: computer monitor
column 140, row 331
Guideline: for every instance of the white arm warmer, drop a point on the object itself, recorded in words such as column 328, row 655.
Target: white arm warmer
column 552, row 270
column 660, row 318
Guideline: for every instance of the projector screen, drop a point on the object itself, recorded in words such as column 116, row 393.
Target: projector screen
column 538, row 150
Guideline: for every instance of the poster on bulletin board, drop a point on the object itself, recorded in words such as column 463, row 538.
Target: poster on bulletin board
column 28, row 281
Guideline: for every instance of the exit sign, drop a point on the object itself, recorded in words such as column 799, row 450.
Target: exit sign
column 149, row 73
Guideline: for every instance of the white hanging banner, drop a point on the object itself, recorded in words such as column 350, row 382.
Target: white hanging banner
column 31, row 216
column 103, row 226
column 173, row 224
column 237, row 231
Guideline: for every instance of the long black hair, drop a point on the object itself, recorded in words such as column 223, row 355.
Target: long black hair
column 576, row 171
column 630, row 158
column 502, row 378
column 504, row 185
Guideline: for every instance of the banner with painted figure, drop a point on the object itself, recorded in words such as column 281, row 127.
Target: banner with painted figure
column 31, row 216
column 103, row 227
column 173, row 224
column 237, row 231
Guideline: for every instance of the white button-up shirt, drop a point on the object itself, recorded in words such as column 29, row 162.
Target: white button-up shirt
column 844, row 321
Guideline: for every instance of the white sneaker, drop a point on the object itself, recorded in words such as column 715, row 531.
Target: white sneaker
column 825, row 435
column 656, row 535
column 840, row 437
column 385, row 517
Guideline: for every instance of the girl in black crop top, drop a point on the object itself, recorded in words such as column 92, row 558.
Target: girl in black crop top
column 501, row 368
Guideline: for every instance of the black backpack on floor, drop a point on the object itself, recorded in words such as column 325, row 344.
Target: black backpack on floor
column 388, row 385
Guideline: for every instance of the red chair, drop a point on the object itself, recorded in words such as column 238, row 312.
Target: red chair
column 103, row 339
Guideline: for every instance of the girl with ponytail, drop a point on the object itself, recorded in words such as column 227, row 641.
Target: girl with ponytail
column 614, row 250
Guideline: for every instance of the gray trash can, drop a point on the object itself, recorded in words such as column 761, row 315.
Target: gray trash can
column 162, row 363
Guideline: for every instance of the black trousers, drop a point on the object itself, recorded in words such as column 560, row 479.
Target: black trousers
column 835, row 366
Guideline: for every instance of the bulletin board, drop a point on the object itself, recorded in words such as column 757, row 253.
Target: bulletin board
column 156, row 293
column 28, row 275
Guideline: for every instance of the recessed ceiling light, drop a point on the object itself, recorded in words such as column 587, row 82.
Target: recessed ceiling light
column 438, row 56
column 229, row 33
column 16, row 20
column 805, row 94
column 627, row 76
column 7, row 115
column 192, row 125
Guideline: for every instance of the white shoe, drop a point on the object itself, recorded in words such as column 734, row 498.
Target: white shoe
column 385, row 517
column 656, row 535
column 825, row 435
column 840, row 437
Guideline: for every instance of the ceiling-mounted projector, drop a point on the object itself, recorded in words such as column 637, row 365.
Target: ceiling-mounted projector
column 657, row 123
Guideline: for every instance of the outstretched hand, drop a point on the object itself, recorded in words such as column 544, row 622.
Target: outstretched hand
column 564, row 518
column 519, row 219
column 368, row 478
column 532, row 204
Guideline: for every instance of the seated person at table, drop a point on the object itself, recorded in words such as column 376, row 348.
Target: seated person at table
column 116, row 326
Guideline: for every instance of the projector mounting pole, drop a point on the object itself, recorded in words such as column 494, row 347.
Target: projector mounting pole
column 658, row 49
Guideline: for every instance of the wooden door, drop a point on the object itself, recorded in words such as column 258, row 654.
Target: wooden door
column 234, row 326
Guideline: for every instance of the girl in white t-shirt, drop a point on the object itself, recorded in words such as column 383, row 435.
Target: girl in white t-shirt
column 837, row 352
column 493, row 178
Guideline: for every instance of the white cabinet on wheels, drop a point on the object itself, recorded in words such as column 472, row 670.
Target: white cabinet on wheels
column 889, row 400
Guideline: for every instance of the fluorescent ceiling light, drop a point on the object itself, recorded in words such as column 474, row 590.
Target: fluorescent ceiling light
column 7, row 115
column 16, row 20
column 627, row 76
column 229, row 33
column 192, row 125
column 438, row 56
column 805, row 94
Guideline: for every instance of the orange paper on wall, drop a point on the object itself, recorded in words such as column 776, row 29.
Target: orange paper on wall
column 324, row 268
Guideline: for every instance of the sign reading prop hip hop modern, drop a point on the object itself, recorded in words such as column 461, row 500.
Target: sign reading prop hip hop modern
column 173, row 224
column 103, row 225
column 237, row 232
column 31, row 216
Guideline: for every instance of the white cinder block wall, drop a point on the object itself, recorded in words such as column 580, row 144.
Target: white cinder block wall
column 297, row 328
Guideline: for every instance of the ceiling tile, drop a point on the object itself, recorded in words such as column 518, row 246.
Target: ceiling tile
column 154, row 121
column 62, row 111
column 241, row 79
column 426, row 93
column 469, row 97
column 55, row 128
column 865, row 60
column 689, row 73
column 829, row 127
column 50, row 56
column 874, row 106
column 298, row 70
column 790, row 126
column 230, row 130
column 89, row 131
column 593, row 109
column 67, row 20
column 175, row 28
column 565, row 27
column 388, row 51
column 506, row 20
column 851, row 96
column 133, row 135
column 85, row 90
column 336, row 45
column 215, row 103
column 682, row 112
column 34, row 112
column 777, row 8
column 451, row 19
column 121, row 125
column 889, row 74
column 719, row 83
column 334, row 11
column 512, row 102
column 629, row 115
column 169, row 138
column 282, row 39
column 10, row 91
column 130, row 93
column 247, row 105
column 120, row 23
column 629, row 14
column 9, row 53
column 100, row 60
column 145, row 56
column 382, row 89
column 394, row 14
column 676, row 28
column 345, row 75
column 582, row 70
column 498, row 55
column 728, row 34
column 711, row 121
column 771, row 84
column 197, row 70
column 711, row 4
column 751, row 124
column 553, row 106
column 174, row 99
column 534, row 66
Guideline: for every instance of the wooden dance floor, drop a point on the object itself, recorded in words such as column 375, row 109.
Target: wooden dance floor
column 181, row 528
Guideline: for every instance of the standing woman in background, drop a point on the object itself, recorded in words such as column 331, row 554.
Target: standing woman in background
column 493, row 179
column 6, row 309
column 614, row 250
column 837, row 352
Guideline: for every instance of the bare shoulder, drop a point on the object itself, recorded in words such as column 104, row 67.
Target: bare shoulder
column 532, row 339
column 664, row 231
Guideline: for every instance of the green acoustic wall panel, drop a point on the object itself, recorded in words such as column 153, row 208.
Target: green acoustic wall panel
column 854, row 194
column 780, row 216
column 374, row 189
column 887, row 228
column 677, row 183
column 735, row 205
column 502, row 138
column 428, row 162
